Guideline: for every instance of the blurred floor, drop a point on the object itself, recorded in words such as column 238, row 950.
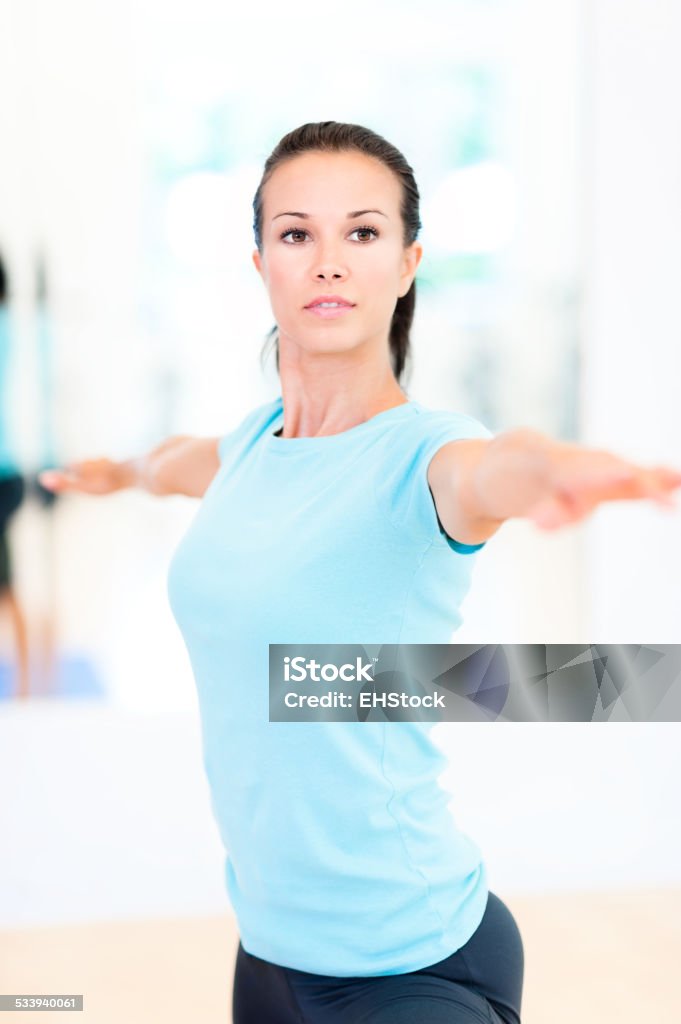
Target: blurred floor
column 591, row 958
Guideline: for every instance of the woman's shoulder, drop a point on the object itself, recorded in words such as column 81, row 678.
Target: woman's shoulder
column 432, row 423
column 251, row 425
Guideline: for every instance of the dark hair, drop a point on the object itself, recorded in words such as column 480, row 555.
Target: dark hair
column 336, row 137
column 3, row 282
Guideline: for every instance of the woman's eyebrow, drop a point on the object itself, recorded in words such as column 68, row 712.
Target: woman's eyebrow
column 306, row 216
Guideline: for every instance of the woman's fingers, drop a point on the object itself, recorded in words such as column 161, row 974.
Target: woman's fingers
column 577, row 494
column 560, row 511
column 664, row 482
column 592, row 472
column 92, row 476
column 658, row 483
column 58, row 479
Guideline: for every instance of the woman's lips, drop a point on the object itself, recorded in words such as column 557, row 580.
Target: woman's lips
column 327, row 312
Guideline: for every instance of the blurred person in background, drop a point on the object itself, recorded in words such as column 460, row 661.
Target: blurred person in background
column 12, row 491
column 345, row 512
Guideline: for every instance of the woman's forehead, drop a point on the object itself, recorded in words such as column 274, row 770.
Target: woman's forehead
column 323, row 183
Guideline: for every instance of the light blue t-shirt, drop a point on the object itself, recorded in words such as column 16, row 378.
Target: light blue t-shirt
column 342, row 855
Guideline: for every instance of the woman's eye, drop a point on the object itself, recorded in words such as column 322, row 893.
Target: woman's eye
column 299, row 231
column 372, row 231
column 293, row 231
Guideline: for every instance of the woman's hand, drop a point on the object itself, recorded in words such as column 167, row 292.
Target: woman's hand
column 91, row 476
column 579, row 479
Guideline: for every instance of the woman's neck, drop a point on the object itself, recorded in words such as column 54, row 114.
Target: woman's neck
column 317, row 416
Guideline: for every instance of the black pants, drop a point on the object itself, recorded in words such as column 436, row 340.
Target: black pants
column 479, row 984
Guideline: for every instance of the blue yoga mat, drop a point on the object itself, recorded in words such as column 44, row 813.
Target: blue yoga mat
column 74, row 676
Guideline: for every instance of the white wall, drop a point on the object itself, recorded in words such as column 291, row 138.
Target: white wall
column 632, row 323
column 104, row 814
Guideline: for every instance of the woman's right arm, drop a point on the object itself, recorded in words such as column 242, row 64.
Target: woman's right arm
column 179, row 465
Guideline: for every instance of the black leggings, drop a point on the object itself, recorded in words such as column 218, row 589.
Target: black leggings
column 482, row 983
column 12, row 490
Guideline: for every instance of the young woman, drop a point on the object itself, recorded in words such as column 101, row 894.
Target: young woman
column 344, row 512
column 12, row 493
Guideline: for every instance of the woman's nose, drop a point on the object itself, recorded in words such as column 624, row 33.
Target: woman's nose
column 329, row 261
column 330, row 267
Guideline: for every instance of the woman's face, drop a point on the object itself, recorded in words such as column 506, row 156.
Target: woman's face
column 360, row 258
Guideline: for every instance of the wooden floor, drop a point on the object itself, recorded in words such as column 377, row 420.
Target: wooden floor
column 590, row 958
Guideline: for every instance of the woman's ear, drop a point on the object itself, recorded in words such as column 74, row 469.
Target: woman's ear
column 412, row 258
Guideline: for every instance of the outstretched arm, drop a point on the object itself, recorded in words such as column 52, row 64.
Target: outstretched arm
column 478, row 485
column 179, row 465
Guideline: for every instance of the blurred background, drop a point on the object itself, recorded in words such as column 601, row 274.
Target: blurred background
column 546, row 143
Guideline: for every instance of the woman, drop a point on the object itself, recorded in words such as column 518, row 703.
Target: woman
column 343, row 512
column 12, row 493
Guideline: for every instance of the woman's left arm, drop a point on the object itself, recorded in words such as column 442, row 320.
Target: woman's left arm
column 477, row 485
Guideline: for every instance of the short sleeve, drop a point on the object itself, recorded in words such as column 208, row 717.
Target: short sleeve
column 227, row 442
column 224, row 443
column 236, row 441
column 403, row 491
